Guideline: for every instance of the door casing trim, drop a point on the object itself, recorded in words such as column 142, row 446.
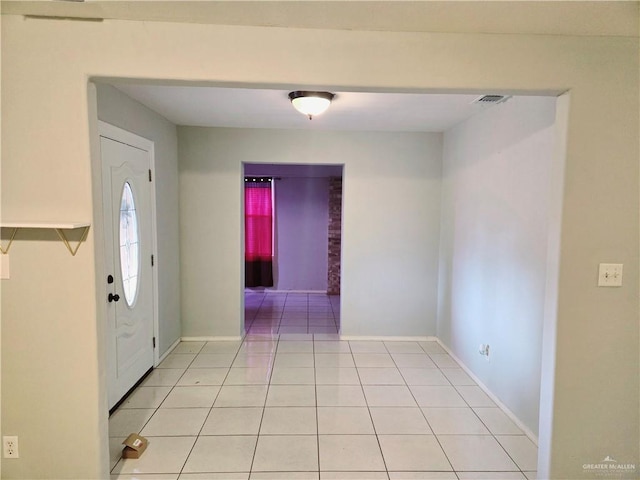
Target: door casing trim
column 121, row 135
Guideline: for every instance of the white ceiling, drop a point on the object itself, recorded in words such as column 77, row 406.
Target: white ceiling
column 264, row 108
column 214, row 106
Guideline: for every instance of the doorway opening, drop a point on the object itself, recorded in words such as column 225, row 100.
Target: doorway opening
column 304, row 294
column 412, row 176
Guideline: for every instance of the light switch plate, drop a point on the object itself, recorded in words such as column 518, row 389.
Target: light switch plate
column 610, row 275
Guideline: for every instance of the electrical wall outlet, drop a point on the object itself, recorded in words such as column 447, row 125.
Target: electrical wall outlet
column 484, row 350
column 10, row 446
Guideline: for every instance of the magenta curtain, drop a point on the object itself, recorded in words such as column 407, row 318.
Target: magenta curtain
column 258, row 224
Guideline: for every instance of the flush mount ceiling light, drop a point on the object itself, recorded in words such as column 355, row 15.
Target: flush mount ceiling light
column 311, row 103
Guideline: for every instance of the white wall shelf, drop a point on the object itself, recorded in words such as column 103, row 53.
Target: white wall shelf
column 59, row 227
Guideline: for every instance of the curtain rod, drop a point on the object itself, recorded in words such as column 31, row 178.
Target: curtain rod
column 261, row 179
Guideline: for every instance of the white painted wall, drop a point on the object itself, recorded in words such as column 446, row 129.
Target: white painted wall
column 53, row 381
column 302, row 224
column 118, row 109
column 391, row 221
column 493, row 249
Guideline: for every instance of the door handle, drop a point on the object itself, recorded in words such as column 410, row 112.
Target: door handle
column 113, row 298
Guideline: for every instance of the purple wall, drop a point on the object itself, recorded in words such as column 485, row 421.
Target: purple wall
column 301, row 237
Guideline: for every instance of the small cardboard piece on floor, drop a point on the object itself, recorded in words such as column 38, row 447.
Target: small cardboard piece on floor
column 134, row 446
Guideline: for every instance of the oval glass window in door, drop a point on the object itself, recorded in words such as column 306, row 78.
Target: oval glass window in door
column 129, row 245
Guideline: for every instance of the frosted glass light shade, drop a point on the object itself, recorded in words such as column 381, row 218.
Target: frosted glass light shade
column 311, row 103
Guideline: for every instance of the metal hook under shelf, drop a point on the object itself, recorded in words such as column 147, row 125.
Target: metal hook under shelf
column 5, row 251
column 63, row 237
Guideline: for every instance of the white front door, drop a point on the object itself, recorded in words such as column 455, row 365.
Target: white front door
column 129, row 295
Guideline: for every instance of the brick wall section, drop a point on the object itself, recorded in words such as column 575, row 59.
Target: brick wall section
column 335, row 234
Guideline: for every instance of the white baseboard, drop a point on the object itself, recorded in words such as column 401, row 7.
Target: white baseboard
column 211, row 339
column 495, row 399
column 323, row 292
column 482, row 386
column 386, row 338
column 168, row 352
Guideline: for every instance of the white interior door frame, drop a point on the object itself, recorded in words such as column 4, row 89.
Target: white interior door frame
column 124, row 136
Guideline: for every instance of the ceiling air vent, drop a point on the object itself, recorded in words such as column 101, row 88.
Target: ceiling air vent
column 491, row 99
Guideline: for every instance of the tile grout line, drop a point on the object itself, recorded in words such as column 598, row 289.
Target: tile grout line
column 376, row 433
column 255, row 315
column 315, row 389
column 463, row 399
column 308, row 321
column 264, row 408
column 210, row 409
column 384, row 461
column 425, row 417
column 169, row 393
column 498, row 441
column 160, row 404
column 490, row 432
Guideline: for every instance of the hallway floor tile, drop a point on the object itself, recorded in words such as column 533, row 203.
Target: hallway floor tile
column 293, row 401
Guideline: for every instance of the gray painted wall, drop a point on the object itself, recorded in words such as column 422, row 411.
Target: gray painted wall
column 391, row 222
column 493, row 249
column 302, row 217
column 118, row 109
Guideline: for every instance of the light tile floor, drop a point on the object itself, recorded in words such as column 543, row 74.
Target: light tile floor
column 293, row 401
column 291, row 313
